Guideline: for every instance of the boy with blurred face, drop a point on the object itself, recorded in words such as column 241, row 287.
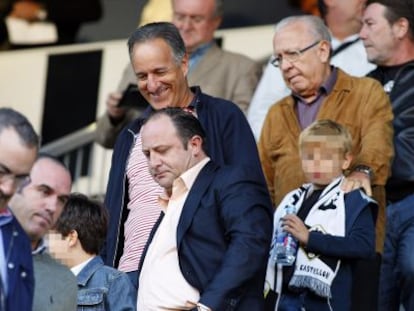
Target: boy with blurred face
column 76, row 241
column 332, row 227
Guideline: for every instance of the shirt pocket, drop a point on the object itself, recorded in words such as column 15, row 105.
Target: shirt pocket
column 91, row 299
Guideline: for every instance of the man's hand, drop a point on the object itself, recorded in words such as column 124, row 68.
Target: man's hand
column 27, row 10
column 294, row 225
column 357, row 180
column 114, row 112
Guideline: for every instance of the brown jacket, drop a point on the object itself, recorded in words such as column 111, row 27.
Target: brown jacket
column 358, row 103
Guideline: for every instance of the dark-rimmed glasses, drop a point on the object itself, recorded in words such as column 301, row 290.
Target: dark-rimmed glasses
column 291, row 56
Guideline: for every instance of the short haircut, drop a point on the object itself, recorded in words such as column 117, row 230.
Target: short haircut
column 316, row 26
column 328, row 129
column 396, row 9
column 219, row 8
column 10, row 118
column 160, row 30
column 88, row 218
column 185, row 123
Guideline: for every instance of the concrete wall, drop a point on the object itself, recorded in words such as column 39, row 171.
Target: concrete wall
column 23, row 72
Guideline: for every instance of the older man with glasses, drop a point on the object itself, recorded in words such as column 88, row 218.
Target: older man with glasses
column 302, row 49
column 18, row 149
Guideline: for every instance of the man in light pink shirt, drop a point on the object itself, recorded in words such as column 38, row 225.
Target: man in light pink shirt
column 209, row 250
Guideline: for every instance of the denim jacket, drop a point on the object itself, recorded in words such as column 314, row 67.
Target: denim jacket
column 103, row 288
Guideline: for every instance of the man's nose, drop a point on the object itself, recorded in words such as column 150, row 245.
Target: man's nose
column 152, row 83
column 8, row 186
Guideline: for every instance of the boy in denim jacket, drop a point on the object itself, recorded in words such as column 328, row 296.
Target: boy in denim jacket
column 76, row 241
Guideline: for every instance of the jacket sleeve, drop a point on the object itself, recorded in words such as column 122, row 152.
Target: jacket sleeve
column 376, row 148
column 359, row 241
column 246, row 216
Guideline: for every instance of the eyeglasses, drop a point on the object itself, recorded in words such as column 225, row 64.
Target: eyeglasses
column 7, row 175
column 291, row 56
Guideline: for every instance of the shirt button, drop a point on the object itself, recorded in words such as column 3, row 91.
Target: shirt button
column 23, row 274
column 10, row 265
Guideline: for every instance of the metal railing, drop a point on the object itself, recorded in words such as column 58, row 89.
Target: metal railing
column 87, row 161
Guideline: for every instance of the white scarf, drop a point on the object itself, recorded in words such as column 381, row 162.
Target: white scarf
column 328, row 216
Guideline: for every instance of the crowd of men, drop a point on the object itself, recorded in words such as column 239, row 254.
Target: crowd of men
column 197, row 175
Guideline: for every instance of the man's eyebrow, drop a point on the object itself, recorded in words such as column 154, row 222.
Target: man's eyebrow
column 5, row 168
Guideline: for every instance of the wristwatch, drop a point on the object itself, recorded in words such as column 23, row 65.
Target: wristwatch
column 364, row 169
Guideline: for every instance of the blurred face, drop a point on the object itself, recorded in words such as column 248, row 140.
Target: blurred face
column 59, row 248
column 379, row 37
column 196, row 21
column 16, row 160
column 39, row 204
column 323, row 160
column 167, row 157
column 305, row 75
column 160, row 79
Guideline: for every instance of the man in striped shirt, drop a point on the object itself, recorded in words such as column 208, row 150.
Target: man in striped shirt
column 160, row 63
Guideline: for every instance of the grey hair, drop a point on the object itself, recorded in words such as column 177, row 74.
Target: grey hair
column 160, row 30
column 316, row 26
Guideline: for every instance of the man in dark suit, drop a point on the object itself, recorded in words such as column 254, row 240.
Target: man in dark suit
column 159, row 58
column 209, row 250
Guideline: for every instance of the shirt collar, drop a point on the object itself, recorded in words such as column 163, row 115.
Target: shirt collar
column 184, row 182
column 326, row 87
column 78, row 268
column 41, row 247
column 5, row 217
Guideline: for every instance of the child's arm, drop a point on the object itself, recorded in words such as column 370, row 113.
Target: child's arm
column 358, row 243
column 295, row 226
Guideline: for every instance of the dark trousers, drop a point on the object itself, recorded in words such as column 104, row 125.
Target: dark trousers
column 365, row 284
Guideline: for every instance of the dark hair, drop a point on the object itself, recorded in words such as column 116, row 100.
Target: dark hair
column 10, row 118
column 219, row 8
column 160, row 30
column 322, row 8
column 186, row 124
column 396, row 9
column 88, row 218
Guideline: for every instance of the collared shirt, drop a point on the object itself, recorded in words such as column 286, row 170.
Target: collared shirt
column 41, row 247
column 198, row 54
column 144, row 208
column 78, row 268
column 5, row 217
column 307, row 111
column 162, row 285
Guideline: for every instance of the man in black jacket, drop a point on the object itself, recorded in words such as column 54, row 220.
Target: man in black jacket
column 388, row 36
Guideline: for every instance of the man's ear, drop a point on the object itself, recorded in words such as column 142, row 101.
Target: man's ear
column 196, row 143
column 401, row 27
column 185, row 64
column 73, row 238
column 324, row 51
